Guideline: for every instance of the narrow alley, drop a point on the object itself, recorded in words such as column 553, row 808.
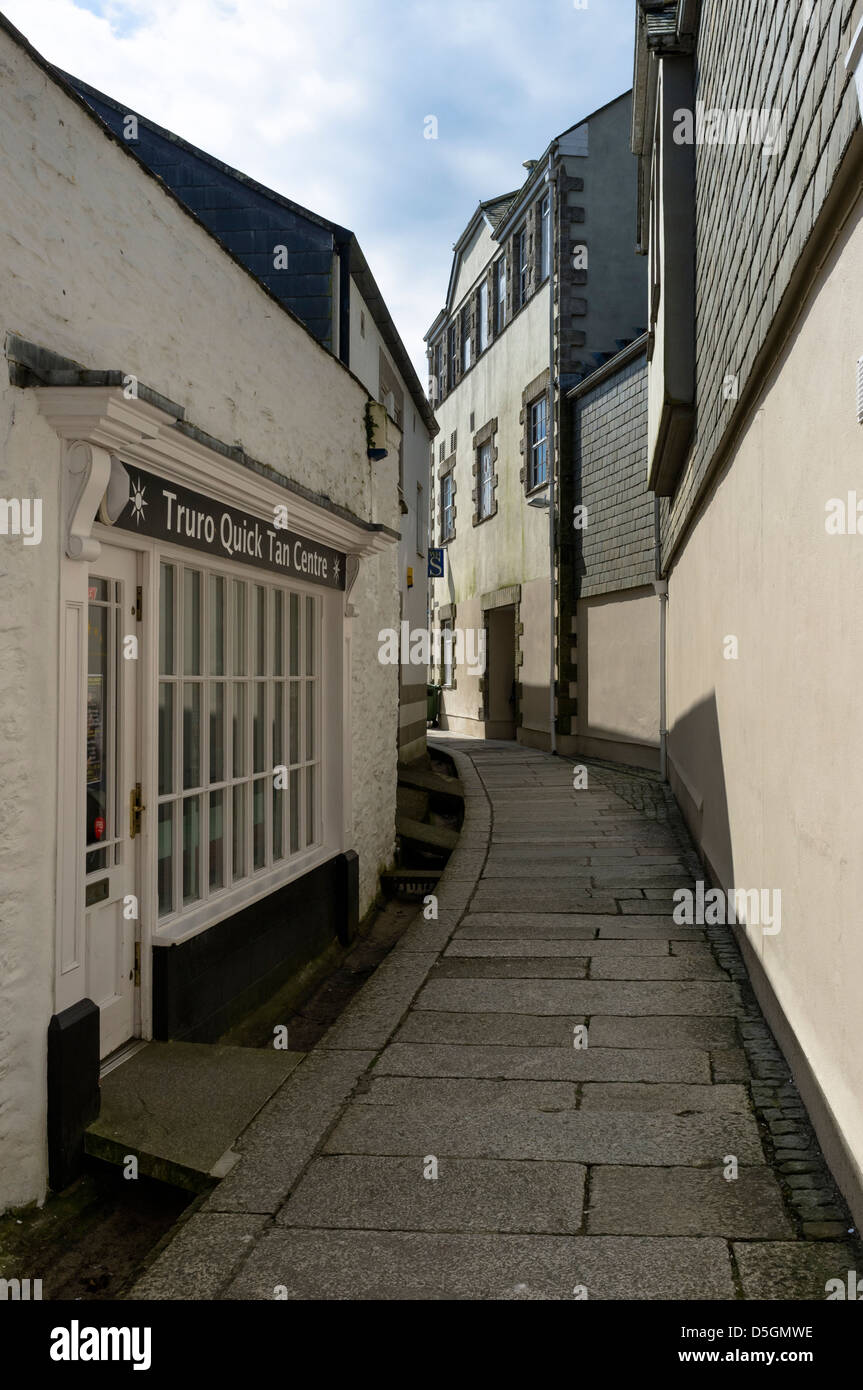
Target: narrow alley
column 552, row 1091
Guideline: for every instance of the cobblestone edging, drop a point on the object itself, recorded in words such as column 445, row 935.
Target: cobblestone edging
column 792, row 1146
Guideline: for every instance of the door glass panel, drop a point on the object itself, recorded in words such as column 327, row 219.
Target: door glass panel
column 101, row 702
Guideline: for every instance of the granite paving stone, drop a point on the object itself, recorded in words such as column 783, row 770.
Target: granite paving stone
column 392, row 1194
column 687, row 1201
column 536, row 1094
column 563, row 1061
column 395, row 1265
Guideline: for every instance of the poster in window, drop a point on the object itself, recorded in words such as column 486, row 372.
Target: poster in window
column 95, row 730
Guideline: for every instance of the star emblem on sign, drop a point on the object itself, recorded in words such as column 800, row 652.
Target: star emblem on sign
column 337, row 569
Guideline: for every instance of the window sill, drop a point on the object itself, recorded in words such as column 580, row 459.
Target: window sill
column 232, row 900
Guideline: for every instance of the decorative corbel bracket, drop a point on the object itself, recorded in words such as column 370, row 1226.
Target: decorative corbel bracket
column 352, row 569
column 87, row 473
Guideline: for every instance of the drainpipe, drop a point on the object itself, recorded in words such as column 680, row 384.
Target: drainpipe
column 552, row 223
column 660, row 588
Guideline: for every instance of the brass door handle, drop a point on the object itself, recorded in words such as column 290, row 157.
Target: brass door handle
column 136, row 806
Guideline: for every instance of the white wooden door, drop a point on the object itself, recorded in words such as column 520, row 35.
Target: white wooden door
column 112, row 776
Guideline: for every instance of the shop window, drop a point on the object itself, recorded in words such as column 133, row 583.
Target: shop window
column 239, row 699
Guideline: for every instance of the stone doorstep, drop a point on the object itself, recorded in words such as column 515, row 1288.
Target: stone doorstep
column 179, row 1108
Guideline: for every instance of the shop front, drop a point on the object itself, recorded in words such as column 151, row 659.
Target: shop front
column 204, row 798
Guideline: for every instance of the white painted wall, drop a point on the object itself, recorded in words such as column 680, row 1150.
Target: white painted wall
column 99, row 264
column 365, row 349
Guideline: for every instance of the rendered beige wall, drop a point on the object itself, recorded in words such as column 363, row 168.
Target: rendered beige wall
column 770, row 745
column 618, row 671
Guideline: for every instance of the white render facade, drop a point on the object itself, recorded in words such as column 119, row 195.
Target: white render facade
column 132, row 832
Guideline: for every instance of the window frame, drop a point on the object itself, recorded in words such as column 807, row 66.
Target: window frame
column 447, row 507
column 537, row 443
column 520, row 268
column 545, row 236
column 500, row 295
column 238, row 885
column 485, row 480
column 482, row 316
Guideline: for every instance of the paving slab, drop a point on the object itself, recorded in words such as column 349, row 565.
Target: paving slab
column 522, row 968
column 657, row 968
column 579, row 996
column 561, row 1062
column 493, row 1029
column 394, row 1265
column 687, row 1201
column 565, row 926
column 571, row 1136
column 675, row 1100
column 202, row 1257
column 466, row 946
column 559, row 894
column 680, row 1031
column 393, row 1194
column 472, row 1095
column 372, row 1015
column 798, row 1270
column 285, row 1135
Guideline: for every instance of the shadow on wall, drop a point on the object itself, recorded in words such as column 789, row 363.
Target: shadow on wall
column 696, row 772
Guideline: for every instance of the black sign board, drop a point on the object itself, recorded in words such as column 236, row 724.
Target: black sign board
column 169, row 512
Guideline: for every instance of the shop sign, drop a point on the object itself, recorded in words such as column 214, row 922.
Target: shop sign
column 167, row 511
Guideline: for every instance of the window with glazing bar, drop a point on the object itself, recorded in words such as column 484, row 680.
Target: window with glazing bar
column 239, row 762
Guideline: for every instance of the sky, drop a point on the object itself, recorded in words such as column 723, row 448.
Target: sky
column 327, row 101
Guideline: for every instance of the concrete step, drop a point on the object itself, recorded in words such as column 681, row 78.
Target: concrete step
column 438, row 837
column 178, row 1108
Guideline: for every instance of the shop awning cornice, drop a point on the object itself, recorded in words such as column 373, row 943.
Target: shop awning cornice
column 151, row 430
